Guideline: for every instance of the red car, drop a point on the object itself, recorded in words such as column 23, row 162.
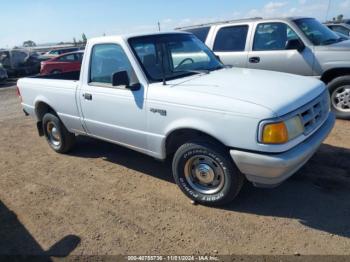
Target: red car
column 64, row 63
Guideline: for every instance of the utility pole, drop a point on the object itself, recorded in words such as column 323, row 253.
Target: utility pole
column 158, row 26
column 328, row 8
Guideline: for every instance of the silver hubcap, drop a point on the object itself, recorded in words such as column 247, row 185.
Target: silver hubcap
column 53, row 134
column 204, row 174
column 341, row 98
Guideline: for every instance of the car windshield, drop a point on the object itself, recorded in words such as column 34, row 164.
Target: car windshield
column 170, row 56
column 316, row 32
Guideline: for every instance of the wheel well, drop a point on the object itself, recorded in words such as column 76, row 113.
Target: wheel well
column 181, row 136
column 41, row 109
column 329, row 75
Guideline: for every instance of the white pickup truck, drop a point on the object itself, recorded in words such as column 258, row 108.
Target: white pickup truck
column 167, row 95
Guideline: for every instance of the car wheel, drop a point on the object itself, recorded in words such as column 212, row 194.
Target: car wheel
column 58, row 137
column 339, row 89
column 206, row 174
column 55, row 72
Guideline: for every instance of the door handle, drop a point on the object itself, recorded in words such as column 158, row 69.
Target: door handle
column 87, row 96
column 254, row 60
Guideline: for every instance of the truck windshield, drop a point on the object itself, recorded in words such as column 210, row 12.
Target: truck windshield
column 171, row 56
column 316, row 32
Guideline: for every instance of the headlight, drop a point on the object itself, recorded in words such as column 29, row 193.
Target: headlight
column 282, row 132
column 1, row 66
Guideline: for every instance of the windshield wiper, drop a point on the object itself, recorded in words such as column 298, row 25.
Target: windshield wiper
column 221, row 67
column 331, row 41
column 203, row 71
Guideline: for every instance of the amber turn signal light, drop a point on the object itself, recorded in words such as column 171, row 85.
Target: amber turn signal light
column 275, row 133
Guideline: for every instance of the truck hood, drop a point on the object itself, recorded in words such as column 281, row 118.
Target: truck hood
column 279, row 92
column 341, row 46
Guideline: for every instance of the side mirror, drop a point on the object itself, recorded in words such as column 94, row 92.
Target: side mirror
column 295, row 44
column 122, row 79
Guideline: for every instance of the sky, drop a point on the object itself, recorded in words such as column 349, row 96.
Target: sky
column 50, row 21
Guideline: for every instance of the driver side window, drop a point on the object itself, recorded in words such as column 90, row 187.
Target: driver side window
column 107, row 59
column 273, row 36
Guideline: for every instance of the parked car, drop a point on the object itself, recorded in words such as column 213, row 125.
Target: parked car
column 342, row 37
column 57, row 52
column 300, row 46
column 3, row 74
column 346, row 21
column 166, row 94
column 64, row 63
column 341, row 28
column 20, row 62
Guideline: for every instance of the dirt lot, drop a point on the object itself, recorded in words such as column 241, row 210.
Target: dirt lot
column 104, row 199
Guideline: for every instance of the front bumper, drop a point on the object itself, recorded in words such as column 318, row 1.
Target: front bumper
column 269, row 170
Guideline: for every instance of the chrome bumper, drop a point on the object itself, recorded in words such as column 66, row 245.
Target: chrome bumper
column 272, row 169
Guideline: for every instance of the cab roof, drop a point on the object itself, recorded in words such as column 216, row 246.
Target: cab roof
column 126, row 37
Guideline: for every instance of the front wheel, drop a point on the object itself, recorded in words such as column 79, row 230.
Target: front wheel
column 206, row 174
column 339, row 89
column 58, row 137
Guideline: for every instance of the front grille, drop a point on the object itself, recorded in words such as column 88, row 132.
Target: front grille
column 314, row 113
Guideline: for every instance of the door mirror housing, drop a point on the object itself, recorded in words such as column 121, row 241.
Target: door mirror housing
column 295, row 44
column 122, row 79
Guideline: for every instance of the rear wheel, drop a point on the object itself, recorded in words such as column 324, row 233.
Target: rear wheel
column 206, row 174
column 58, row 137
column 339, row 89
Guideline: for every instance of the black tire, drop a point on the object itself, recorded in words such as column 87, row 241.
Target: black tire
column 337, row 85
column 63, row 141
column 56, row 71
column 233, row 178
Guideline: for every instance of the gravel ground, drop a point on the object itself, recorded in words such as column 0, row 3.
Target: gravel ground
column 104, row 199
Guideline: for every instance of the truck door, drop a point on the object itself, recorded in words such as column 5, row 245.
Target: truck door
column 113, row 113
column 271, row 49
column 230, row 44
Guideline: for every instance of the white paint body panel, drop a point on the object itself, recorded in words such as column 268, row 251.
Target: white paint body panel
column 227, row 104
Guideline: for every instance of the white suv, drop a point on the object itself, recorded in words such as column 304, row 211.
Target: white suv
column 297, row 45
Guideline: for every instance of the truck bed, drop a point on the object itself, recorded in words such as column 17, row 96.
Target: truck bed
column 75, row 75
column 56, row 90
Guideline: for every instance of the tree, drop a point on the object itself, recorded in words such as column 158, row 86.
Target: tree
column 340, row 18
column 74, row 41
column 84, row 38
column 29, row 43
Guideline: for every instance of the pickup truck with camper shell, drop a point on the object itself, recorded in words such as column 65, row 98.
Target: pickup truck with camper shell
column 296, row 45
column 168, row 96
